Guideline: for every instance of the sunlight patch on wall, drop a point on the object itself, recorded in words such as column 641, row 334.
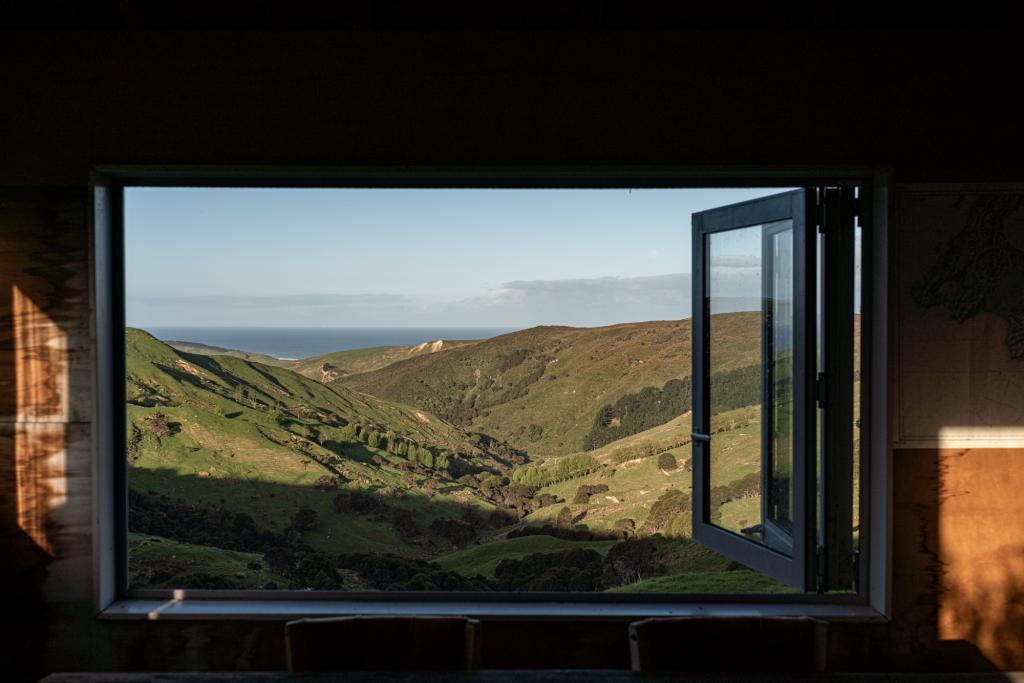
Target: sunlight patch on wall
column 981, row 436
column 40, row 353
column 40, row 349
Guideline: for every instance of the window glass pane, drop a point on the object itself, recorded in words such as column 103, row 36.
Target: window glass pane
column 734, row 285
column 778, row 307
column 750, row 292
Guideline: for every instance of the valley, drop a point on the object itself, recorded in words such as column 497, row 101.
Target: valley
column 549, row 459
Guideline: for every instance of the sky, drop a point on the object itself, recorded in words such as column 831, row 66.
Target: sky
column 413, row 257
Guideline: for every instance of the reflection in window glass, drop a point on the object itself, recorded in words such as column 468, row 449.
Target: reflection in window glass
column 734, row 287
column 779, row 312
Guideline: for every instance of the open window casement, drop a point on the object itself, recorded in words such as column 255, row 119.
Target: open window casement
column 778, row 270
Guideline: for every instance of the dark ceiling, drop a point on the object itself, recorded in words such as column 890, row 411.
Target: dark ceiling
column 504, row 15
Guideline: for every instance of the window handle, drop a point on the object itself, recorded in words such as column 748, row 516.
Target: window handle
column 697, row 436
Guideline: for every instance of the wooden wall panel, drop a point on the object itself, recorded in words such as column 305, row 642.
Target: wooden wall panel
column 46, row 408
column 958, row 559
column 45, row 370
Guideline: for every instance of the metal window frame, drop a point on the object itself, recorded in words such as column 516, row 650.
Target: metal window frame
column 797, row 568
column 112, row 600
column 838, row 209
column 770, row 231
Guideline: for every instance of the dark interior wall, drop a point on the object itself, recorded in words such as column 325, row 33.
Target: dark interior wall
column 937, row 106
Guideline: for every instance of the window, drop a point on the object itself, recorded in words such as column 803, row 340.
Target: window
column 541, row 439
column 804, row 373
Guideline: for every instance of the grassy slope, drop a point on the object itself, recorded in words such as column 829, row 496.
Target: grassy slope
column 167, row 564
column 741, row 581
column 560, row 378
column 483, row 558
column 268, row 467
column 255, row 457
column 331, row 366
column 636, row 484
column 208, row 350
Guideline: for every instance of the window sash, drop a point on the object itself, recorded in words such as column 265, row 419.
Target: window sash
column 795, row 569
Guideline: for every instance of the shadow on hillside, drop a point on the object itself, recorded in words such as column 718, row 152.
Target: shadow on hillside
column 251, row 496
column 290, row 521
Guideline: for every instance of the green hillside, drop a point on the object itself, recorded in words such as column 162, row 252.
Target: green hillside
column 332, row 366
column 541, row 389
column 162, row 563
column 218, row 443
column 461, row 468
column 208, row 350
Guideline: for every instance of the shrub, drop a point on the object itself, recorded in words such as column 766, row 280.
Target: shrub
column 391, row 572
column 158, row 425
column 667, row 461
column 668, row 505
column 304, row 520
column 326, row 482
column 625, row 524
column 457, row 533
column 585, row 491
column 360, row 503
column 627, row 562
column 576, row 569
column 404, row 524
column 745, row 487
column 543, row 500
column 315, row 572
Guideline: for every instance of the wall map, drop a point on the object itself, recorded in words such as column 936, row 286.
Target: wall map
column 960, row 317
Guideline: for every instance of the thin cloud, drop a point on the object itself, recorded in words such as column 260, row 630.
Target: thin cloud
column 302, row 300
column 735, row 260
column 582, row 302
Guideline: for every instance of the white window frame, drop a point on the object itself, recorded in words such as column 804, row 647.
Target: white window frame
column 110, row 490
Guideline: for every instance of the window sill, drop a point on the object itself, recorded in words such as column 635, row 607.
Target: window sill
column 213, row 609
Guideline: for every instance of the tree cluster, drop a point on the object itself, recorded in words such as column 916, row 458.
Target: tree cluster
column 651, row 406
column 558, row 470
column 391, row 572
column 572, row 570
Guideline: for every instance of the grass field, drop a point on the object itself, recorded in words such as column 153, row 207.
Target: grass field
column 740, row 581
column 482, row 559
column 162, row 563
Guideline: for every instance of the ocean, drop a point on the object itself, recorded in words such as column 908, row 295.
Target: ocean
column 303, row 342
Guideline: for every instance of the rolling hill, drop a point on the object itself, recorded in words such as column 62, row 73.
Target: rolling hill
column 454, row 467
column 330, row 366
column 541, row 389
column 219, row 445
